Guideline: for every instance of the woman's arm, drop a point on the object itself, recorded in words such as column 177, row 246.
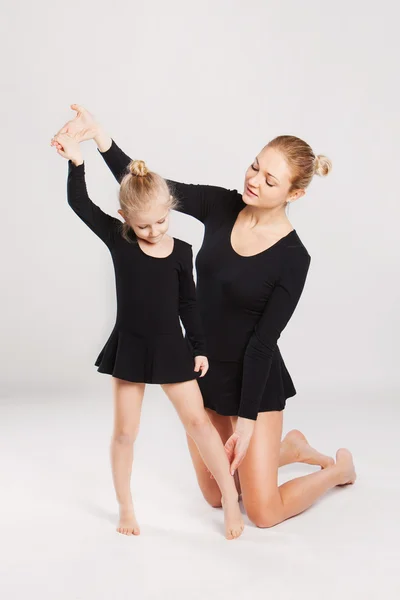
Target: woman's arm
column 203, row 202
column 188, row 310
column 115, row 158
column 199, row 201
column 262, row 344
column 261, row 347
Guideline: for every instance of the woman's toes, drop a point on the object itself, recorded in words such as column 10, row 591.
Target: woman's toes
column 345, row 464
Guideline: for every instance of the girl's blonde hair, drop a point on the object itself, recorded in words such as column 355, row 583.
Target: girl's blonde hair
column 139, row 189
column 302, row 161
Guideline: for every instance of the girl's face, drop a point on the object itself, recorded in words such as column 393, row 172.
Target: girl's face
column 150, row 225
column 267, row 181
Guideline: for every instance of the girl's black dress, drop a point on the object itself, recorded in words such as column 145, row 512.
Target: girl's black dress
column 244, row 302
column 147, row 344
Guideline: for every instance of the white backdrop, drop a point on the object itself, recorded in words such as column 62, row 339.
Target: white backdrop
column 196, row 90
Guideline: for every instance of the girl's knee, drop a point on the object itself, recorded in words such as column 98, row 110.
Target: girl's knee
column 124, row 438
column 198, row 425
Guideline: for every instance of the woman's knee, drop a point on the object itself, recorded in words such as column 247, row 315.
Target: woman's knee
column 213, row 499
column 264, row 517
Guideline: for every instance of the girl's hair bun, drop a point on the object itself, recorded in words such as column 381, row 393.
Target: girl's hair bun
column 322, row 165
column 138, row 168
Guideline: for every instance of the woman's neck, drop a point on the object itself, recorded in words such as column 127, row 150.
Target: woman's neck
column 268, row 218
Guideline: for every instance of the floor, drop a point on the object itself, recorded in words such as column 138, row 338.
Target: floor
column 57, row 523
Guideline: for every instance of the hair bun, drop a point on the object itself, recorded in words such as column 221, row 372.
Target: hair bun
column 138, row 168
column 322, row 166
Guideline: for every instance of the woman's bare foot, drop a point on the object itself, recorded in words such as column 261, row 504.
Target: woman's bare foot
column 233, row 519
column 345, row 466
column 127, row 521
column 295, row 448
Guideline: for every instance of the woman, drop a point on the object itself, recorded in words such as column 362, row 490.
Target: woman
column 251, row 271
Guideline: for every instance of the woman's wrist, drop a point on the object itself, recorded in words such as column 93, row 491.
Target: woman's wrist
column 102, row 140
column 244, row 425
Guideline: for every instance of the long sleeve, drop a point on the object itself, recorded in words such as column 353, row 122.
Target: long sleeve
column 262, row 344
column 198, row 201
column 188, row 310
column 102, row 224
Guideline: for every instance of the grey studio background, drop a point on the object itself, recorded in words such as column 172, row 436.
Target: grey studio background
column 196, row 90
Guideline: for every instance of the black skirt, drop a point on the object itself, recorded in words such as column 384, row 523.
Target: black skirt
column 221, row 386
column 159, row 358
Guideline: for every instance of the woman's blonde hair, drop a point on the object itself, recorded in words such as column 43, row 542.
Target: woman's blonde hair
column 302, row 161
column 139, row 189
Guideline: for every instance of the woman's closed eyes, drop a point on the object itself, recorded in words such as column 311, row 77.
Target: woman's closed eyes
column 255, row 169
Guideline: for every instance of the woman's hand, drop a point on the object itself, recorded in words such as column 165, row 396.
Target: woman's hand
column 83, row 127
column 237, row 445
column 201, row 363
column 69, row 148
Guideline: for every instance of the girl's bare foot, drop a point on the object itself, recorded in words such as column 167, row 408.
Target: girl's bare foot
column 233, row 519
column 127, row 521
column 295, row 448
column 345, row 466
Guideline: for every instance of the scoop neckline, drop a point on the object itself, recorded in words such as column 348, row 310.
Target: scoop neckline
column 158, row 257
column 258, row 253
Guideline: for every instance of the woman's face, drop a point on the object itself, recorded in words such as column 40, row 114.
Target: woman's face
column 150, row 225
column 267, row 181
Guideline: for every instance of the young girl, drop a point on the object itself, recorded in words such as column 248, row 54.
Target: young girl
column 154, row 282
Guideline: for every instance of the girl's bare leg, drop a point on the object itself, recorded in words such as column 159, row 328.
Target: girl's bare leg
column 205, row 479
column 267, row 504
column 128, row 399
column 188, row 402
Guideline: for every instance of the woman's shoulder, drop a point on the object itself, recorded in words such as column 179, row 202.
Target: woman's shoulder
column 295, row 245
column 295, row 252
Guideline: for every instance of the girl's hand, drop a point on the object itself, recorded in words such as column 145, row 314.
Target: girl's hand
column 69, row 148
column 237, row 445
column 201, row 363
column 82, row 127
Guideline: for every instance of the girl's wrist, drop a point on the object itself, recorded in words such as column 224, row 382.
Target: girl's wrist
column 78, row 161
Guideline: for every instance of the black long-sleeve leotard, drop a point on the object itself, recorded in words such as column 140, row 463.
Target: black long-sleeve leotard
column 147, row 344
column 245, row 302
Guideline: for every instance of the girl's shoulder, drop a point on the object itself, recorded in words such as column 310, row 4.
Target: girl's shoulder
column 182, row 246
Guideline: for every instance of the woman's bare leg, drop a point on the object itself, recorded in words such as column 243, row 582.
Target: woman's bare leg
column 266, row 503
column 295, row 448
column 128, row 398
column 188, row 402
